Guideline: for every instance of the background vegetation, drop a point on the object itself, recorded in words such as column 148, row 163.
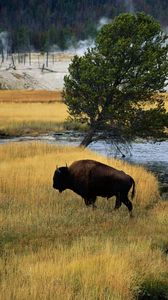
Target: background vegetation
column 29, row 96
column 35, row 112
column 113, row 83
column 31, row 112
column 53, row 247
column 31, row 118
column 41, row 24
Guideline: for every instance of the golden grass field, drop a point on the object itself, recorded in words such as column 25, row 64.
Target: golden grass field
column 34, row 112
column 53, row 247
column 31, row 112
column 29, row 96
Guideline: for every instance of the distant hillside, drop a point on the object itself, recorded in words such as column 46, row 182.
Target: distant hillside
column 39, row 25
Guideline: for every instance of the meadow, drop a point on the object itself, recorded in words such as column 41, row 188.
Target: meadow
column 54, row 247
column 31, row 112
column 34, row 112
column 29, row 96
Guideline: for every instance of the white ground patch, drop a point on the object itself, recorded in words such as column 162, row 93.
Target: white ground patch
column 34, row 74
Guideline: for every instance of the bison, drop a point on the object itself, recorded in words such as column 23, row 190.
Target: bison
column 89, row 179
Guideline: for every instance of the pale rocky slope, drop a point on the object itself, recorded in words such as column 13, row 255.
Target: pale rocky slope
column 35, row 75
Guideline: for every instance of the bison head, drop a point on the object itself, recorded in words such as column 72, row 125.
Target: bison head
column 61, row 179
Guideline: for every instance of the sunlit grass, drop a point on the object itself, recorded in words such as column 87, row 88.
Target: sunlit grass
column 29, row 96
column 29, row 118
column 31, row 112
column 166, row 101
column 35, row 112
column 163, row 96
column 53, row 247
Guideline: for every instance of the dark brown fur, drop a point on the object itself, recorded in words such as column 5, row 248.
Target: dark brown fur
column 89, row 179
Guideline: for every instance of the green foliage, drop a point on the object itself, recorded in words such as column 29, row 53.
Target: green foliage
column 152, row 289
column 22, row 38
column 110, row 86
column 80, row 18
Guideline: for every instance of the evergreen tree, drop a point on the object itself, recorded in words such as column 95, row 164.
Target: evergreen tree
column 114, row 87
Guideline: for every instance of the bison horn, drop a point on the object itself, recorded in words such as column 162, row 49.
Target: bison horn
column 58, row 170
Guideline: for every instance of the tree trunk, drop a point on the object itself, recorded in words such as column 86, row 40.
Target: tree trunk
column 88, row 138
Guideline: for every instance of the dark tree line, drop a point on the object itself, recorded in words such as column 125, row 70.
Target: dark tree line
column 41, row 24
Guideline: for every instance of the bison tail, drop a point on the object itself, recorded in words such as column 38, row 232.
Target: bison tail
column 133, row 190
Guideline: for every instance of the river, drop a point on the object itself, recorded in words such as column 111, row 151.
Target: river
column 154, row 156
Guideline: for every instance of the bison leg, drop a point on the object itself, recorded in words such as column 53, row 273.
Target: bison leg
column 87, row 201
column 90, row 201
column 128, row 204
column 118, row 203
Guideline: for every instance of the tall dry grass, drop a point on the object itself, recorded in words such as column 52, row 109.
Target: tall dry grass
column 53, row 247
column 166, row 101
column 29, row 96
column 34, row 112
column 34, row 118
column 163, row 96
column 31, row 112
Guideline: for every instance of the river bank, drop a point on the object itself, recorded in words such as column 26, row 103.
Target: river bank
column 153, row 156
